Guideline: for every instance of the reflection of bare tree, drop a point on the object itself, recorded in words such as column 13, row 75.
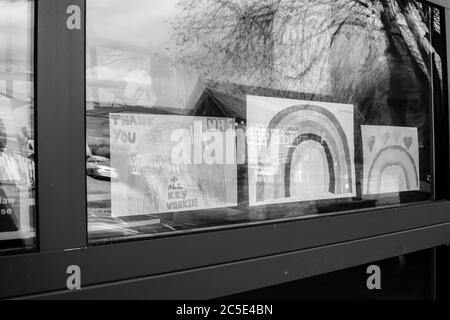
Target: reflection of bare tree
column 376, row 54
column 225, row 39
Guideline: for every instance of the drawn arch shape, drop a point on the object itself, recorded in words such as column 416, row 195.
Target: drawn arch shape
column 310, row 123
column 392, row 156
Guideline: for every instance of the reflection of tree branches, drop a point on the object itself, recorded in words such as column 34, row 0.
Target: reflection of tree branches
column 357, row 46
column 231, row 31
column 423, row 39
column 233, row 37
column 237, row 38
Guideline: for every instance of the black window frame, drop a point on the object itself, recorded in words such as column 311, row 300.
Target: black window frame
column 200, row 265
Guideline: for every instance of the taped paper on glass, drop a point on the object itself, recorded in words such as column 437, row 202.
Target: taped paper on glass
column 391, row 159
column 299, row 150
column 17, row 179
column 168, row 163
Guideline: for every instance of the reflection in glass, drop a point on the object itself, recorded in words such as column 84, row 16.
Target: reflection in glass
column 17, row 226
column 298, row 85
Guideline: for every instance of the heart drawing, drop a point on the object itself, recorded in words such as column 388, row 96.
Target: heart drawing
column 408, row 141
column 371, row 143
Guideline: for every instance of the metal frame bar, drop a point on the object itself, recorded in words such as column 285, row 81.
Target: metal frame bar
column 46, row 272
column 441, row 140
column 200, row 265
column 227, row 279
column 60, row 124
column 442, row 3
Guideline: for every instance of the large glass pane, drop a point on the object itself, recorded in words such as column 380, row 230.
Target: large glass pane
column 17, row 201
column 206, row 114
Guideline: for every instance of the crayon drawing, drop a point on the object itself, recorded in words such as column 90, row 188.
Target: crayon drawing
column 299, row 150
column 167, row 163
column 391, row 159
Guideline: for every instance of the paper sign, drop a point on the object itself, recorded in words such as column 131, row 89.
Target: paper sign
column 391, row 159
column 299, row 150
column 168, row 163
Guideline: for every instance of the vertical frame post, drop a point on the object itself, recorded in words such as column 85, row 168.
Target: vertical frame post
column 447, row 40
column 441, row 120
column 60, row 115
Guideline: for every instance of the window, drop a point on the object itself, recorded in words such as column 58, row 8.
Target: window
column 17, row 185
column 207, row 114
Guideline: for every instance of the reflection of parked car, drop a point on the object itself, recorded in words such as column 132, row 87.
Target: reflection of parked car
column 99, row 168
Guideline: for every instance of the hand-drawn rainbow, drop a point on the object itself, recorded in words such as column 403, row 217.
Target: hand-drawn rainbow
column 391, row 159
column 293, row 128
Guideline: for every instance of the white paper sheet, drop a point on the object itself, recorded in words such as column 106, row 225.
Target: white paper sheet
column 299, row 150
column 169, row 163
column 391, row 159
